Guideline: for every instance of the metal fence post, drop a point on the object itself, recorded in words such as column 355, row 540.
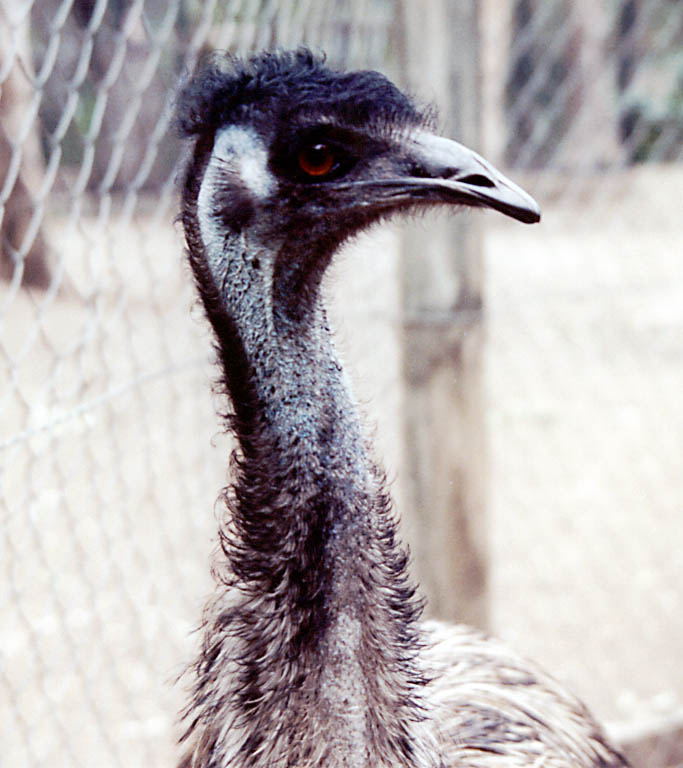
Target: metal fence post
column 442, row 326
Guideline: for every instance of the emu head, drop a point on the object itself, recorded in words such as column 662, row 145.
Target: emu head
column 292, row 157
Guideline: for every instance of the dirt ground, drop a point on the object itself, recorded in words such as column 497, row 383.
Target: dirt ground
column 111, row 460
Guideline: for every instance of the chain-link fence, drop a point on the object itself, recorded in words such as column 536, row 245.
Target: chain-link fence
column 108, row 475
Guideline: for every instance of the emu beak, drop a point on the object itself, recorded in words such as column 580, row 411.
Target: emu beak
column 457, row 174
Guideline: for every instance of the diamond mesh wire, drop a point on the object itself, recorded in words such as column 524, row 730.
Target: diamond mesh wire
column 107, row 478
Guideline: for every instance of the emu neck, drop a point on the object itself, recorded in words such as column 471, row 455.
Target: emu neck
column 298, row 428
column 320, row 634
column 291, row 392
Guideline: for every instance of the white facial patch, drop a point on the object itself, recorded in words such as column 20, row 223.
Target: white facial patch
column 244, row 147
column 239, row 157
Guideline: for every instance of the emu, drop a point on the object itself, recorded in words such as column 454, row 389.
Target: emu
column 314, row 654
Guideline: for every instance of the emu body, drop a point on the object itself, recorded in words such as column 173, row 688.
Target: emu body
column 313, row 652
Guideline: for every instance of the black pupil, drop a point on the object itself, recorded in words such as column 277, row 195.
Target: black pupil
column 318, row 155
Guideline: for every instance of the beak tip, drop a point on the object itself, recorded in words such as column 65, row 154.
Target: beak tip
column 525, row 209
column 532, row 216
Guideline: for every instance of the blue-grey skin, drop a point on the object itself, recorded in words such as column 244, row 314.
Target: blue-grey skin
column 313, row 654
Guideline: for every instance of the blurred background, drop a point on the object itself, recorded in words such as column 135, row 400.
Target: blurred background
column 524, row 384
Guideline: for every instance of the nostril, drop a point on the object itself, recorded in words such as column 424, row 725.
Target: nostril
column 447, row 173
column 477, row 180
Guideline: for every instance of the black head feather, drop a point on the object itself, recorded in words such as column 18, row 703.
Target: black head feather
column 226, row 89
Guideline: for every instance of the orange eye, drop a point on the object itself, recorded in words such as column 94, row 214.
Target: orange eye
column 316, row 160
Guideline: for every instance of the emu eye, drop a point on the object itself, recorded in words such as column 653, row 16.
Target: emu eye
column 317, row 160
